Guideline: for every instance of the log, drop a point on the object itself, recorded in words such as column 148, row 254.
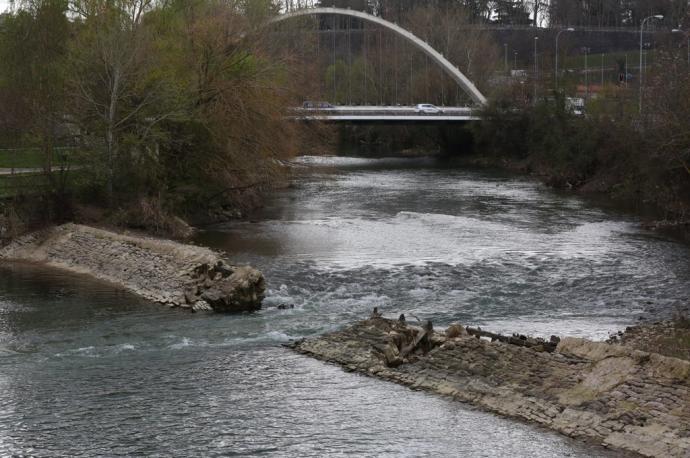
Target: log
column 420, row 341
column 520, row 341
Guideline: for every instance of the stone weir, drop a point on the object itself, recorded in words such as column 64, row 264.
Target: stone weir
column 607, row 394
column 162, row 271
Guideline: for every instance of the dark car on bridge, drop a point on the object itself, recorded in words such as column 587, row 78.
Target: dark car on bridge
column 316, row 105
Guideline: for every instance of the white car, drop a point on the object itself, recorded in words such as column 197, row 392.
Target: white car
column 427, row 108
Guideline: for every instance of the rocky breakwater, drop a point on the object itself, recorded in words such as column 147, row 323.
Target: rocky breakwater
column 162, row 271
column 607, row 394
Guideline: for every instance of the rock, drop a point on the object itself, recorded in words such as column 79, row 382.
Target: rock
column 223, row 269
column 190, row 295
column 448, row 345
column 202, row 306
column 161, row 271
column 608, row 394
column 241, row 292
column 392, row 356
column 455, row 330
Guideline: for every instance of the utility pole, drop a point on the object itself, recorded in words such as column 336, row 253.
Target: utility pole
column 505, row 58
column 558, row 35
column 644, row 21
column 626, row 70
column 586, row 74
column 536, row 68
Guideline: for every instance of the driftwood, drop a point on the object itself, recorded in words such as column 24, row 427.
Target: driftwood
column 519, row 340
column 421, row 341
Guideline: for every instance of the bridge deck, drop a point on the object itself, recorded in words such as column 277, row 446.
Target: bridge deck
column 384, row 114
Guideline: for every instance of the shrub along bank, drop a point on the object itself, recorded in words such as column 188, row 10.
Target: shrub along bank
column 635, row 159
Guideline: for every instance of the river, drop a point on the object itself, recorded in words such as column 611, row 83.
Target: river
column 86, row 369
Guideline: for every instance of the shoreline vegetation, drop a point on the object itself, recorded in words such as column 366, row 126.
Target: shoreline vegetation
column 612, row 151
column 141, row 114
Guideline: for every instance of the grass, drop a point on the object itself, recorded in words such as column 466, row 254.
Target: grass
column 610, row 60
column 36, row 182
column 11, row 185
column 29, row 157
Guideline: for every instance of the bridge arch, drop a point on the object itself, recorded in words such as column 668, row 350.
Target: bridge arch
column 437, row 57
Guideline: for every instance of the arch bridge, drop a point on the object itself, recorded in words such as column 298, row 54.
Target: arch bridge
column 404, row 114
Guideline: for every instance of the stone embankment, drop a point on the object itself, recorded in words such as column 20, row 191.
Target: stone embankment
column 162, row 271
column 607, row 394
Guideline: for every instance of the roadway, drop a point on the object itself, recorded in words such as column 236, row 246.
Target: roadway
column 374, row 113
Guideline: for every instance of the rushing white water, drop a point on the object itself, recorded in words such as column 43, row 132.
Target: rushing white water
column 88, row 370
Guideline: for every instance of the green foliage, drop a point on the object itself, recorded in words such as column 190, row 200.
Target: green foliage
column 503, row 129
column 563, row 141
column 179, row 103
column 33, row 49
column 570, row 150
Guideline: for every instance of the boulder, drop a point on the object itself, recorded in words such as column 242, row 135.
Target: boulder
column 455, row 330
column 243, row 291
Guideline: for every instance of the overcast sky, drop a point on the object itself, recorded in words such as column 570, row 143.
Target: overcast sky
column 3, row 5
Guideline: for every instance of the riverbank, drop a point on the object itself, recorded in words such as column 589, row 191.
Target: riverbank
column 629, row 159
column 605, row 189
column 162, row 271
column 606, row 394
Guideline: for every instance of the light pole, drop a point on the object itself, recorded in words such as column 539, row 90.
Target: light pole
column 558, row 35
column 644, row 21
column 505, row 58
column 586, row 73
column 515, row 57
column 687, row 36
column 626, row 70
column 536, row 68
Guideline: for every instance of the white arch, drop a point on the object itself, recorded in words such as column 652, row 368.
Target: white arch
column 451, row 69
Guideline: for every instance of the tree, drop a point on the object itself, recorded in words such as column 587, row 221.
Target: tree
column 120, row 93
column 33, row 49
column 511, row 12
column 470, row 48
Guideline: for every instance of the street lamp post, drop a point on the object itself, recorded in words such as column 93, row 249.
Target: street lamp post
column 558, row 35
column 586, row 74
column 626, row 70
column 644, row 21
column 687, row 36
column 505, row 57
column 536, row 68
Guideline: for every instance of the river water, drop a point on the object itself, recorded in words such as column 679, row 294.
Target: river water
column 86, row 369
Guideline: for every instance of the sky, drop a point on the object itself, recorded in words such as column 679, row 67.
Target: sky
column 4, row 4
